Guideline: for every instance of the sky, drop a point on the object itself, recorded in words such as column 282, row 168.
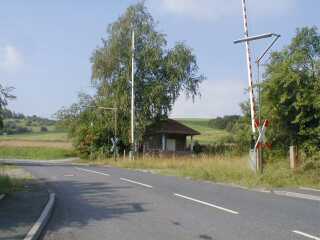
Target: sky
column 45, row 46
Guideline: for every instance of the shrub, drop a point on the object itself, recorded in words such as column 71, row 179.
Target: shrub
column 43, row 129
column 197, row 148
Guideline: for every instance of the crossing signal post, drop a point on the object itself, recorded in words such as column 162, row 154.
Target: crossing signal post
column 258, row 140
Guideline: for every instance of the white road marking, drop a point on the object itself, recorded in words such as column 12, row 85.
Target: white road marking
column 297, row 195
column 310, row 189
column 91, row 171
column 139, row 183
column 306, row 235
column 206, row 203
column 69, row 175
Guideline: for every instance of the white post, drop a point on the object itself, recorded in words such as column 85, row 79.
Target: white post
column 132, row 94
column 163, row 142
column 249, row 66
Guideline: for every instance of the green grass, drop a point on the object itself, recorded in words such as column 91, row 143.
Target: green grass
column 38, row 136
column 5, row 184
column 226, row 169
column 10, row 181
column 208, row 135
column 37, row 153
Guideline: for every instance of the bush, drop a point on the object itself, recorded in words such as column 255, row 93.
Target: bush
column 197, row 148
column 225, row 122
column 43, row 129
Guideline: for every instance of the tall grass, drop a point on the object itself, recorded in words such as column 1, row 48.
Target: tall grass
column 223, row 168
column 9, row 184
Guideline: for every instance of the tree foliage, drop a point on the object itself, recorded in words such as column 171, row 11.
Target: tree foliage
column 161, row 75
column 226, row 122
column 290, row 92
column 5, row 95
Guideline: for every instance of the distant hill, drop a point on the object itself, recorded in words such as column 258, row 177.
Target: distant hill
column 17, row 123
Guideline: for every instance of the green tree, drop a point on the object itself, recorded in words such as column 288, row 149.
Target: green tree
column 5, row 95
column 160, row 77
column 290, row 92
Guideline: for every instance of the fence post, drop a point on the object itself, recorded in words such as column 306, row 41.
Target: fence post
column 294, row 157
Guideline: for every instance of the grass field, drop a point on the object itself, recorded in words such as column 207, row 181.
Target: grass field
column 226, row 169
column 38, row 136
column 37, row 153
column 45, row 146
column 208, row 134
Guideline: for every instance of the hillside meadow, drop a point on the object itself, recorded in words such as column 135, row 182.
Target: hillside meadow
column 208, row 135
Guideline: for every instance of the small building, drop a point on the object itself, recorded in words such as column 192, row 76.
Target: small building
column 168, row 136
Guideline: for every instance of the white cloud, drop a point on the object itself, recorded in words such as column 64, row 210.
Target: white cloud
column 217, row 9
column 11, row 58
column 218, row 98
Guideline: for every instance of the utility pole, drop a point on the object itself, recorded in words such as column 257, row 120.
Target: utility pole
column 132, row 98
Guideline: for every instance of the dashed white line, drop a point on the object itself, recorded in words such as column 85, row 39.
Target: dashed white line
column 135, row 182
column 91, row 171
column 206, row 203
column 68, row 175
column 310, row 189
column 306, row 235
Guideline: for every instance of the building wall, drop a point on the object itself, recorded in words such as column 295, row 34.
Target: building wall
column 181, row 141
column 154, row 142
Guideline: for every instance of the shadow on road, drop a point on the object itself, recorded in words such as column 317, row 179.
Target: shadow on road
column 19, row 210
column 79, row 203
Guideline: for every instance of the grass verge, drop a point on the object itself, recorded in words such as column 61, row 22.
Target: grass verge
column 226, row 169
column 36, row 153
column 12, row 179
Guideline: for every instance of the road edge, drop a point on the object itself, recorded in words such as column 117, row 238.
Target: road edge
column 41, row 222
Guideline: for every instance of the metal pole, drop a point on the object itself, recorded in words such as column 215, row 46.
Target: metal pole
column 132, row 95
column 268, row 48
column 259, row 150
column 259, row 90
column 249, row 66
column 115, row 122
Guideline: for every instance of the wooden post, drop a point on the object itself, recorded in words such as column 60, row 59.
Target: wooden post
column 294, row 157
column 259, row 160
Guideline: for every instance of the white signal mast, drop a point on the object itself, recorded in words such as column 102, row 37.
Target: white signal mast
column 132, row 95
column 249, row 66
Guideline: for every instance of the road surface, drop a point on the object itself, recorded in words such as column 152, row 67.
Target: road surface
column 110, row 203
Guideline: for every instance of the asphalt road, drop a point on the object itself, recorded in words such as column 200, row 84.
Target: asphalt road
column 110, row 203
